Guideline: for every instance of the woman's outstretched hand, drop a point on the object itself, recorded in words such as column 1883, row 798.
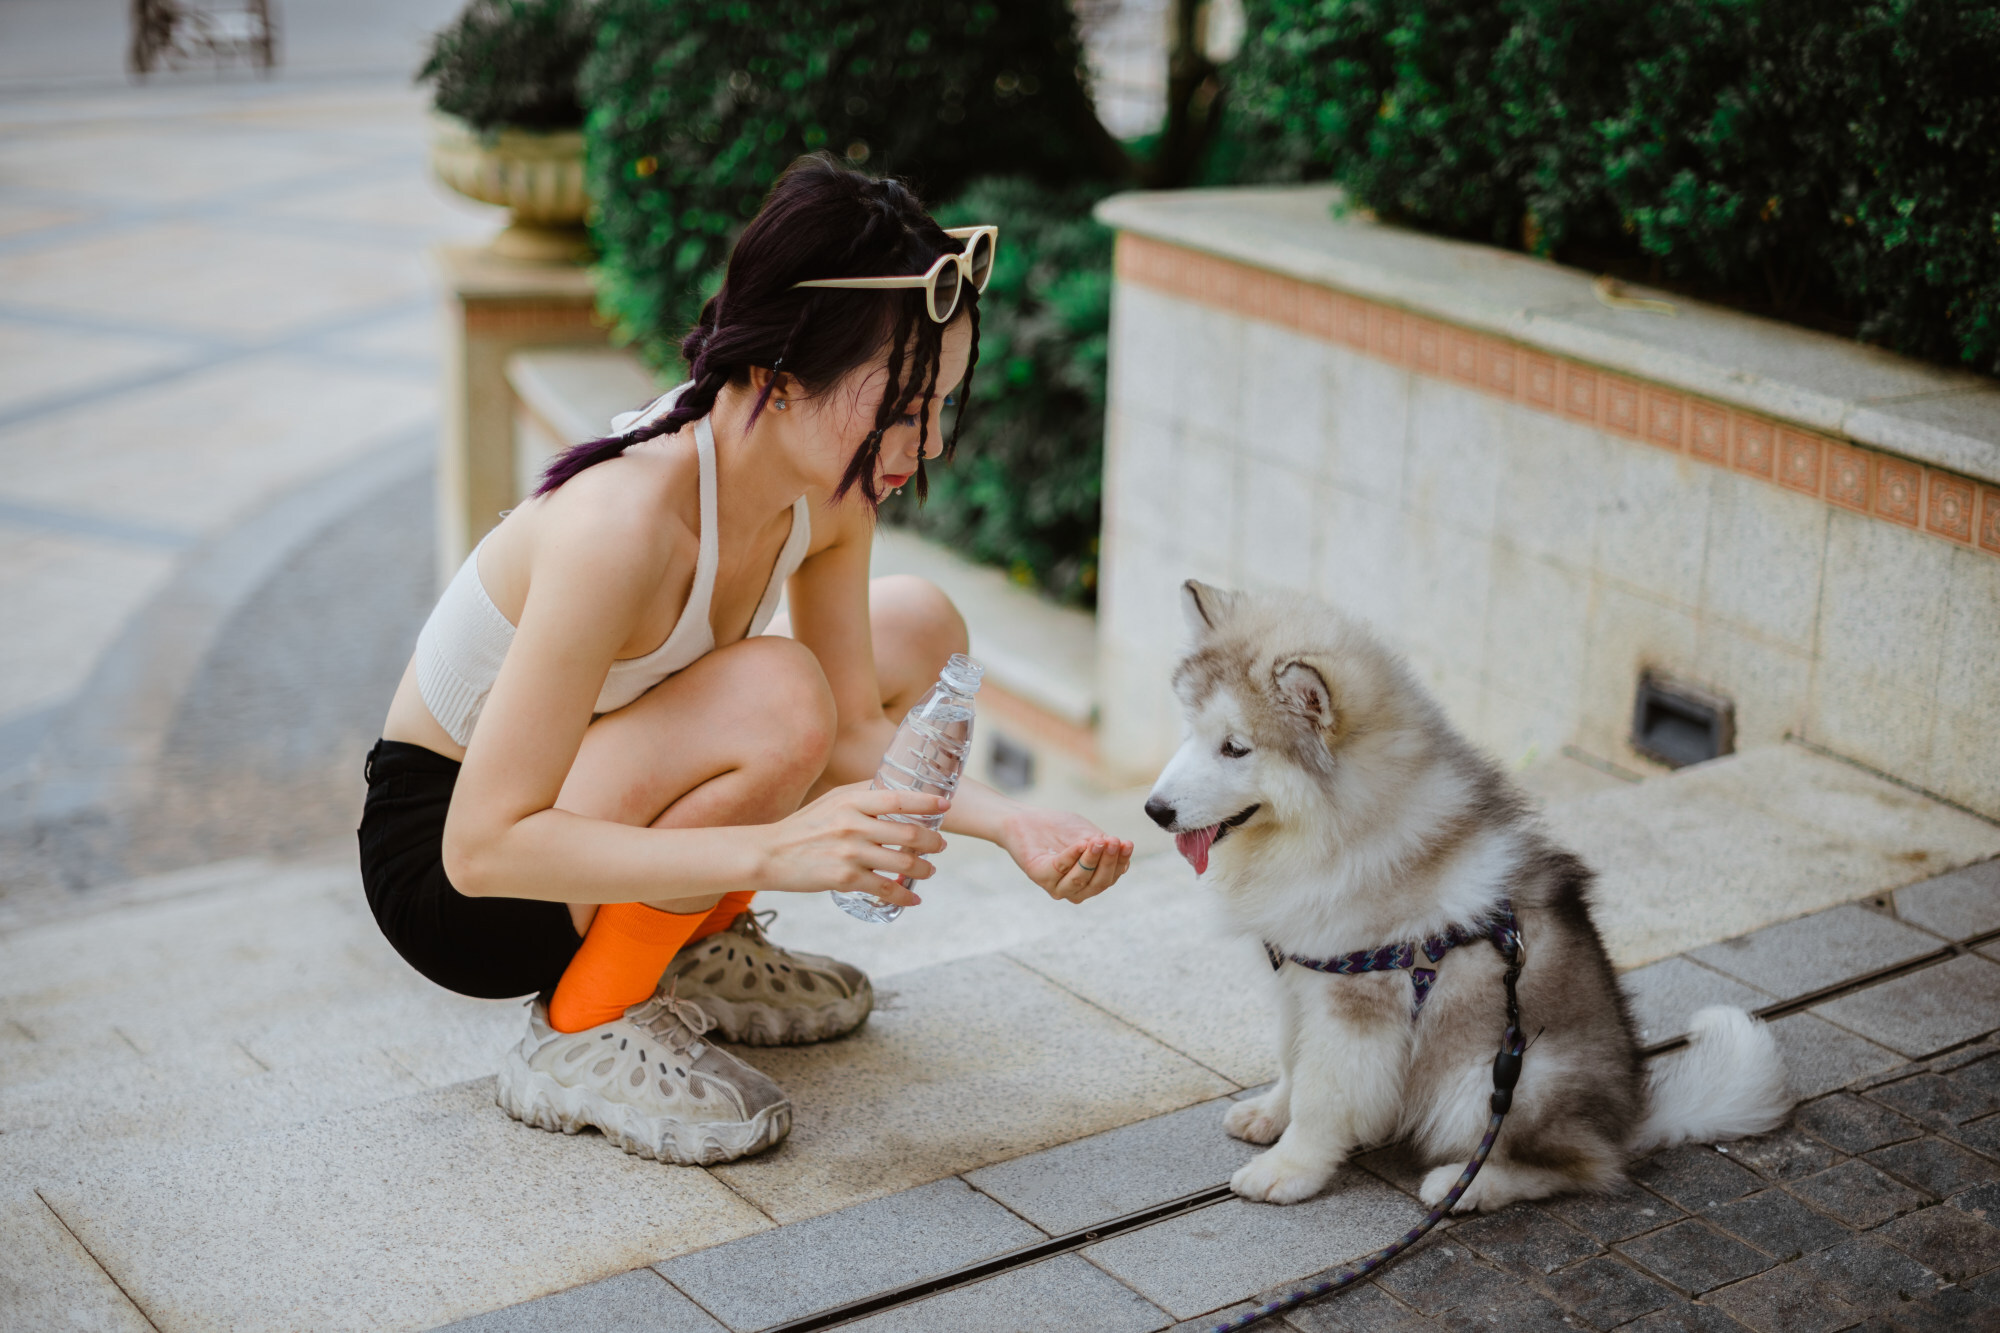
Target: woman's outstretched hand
column 840, row 841
column 1070, row 857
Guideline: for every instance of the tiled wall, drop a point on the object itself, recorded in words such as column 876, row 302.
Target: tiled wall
column 1532, row 531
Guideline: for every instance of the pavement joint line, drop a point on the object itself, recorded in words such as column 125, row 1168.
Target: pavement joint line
column 1800, row 1003
column 1003, row 1263
column 109, row 1276
column 911, row 1292
column 212, row 353
column 1889, row 778
column 1119, row 1018
column 72, row 524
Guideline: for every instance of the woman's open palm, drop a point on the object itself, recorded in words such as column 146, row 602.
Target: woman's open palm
column 1070, row 857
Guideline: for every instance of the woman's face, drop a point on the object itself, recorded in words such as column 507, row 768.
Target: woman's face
column 840, row 419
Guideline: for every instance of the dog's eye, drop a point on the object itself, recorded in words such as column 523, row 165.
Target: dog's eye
column 1231, row 750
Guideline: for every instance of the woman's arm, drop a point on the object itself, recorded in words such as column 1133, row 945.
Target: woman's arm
column 598, row 557
column 1066, row 854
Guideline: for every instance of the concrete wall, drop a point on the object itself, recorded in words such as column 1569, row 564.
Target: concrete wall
column 1532, row 531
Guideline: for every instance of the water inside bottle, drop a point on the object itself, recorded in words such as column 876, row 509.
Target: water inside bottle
column 927, row 755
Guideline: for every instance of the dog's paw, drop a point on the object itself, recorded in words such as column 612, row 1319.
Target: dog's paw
column 1439, row 1180
column 1278, row 1177
column 1258, row 1120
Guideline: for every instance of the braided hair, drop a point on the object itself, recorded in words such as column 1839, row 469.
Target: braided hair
column 820, row 220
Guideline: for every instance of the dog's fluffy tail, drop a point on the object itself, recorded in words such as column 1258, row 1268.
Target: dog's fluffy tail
column 1729, row 1082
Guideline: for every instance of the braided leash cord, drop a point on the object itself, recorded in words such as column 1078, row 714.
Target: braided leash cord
column 1506, row 1072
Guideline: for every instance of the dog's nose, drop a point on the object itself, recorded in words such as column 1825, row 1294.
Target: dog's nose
column 1161, row 813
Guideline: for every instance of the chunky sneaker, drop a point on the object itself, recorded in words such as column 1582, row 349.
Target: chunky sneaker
column 649, row 1081
column 765, row 995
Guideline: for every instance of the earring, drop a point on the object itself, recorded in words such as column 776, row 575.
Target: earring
column 779, row 405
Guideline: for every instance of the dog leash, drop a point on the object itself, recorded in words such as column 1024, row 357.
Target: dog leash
column 1506, row 1073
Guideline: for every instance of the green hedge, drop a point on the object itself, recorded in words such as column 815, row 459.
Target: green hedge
column 1835, row 161
column 696, row 105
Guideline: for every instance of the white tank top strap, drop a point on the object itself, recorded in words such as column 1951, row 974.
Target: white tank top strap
column 462, row 645
column 789, row 559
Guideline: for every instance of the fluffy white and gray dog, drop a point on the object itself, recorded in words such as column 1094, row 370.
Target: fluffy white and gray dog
column 1325, row 796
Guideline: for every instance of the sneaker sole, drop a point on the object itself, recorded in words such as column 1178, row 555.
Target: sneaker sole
column 758, row 1023
column 535, row 1098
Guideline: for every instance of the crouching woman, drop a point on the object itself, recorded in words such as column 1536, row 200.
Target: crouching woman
column 598, row 755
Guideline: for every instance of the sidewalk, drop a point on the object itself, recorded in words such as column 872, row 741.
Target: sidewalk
column 217, row 337
column 224, row 1102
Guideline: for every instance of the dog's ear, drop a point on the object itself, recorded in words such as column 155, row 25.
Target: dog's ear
column 1205, row 607
column 1304, row 691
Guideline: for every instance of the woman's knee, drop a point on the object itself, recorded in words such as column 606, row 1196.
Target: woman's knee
column 789, row 718
column 917, row 615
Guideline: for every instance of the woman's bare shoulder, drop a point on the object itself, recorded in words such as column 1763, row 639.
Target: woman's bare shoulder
column 629, row 520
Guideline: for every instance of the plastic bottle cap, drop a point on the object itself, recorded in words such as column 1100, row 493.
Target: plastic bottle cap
column 962, row 674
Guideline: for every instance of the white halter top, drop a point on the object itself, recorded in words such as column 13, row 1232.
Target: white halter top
column 466, row 638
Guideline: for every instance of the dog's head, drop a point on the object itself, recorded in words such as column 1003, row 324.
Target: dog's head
column 1283, row 699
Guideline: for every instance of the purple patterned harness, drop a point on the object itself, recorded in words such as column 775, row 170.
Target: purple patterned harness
column 1504, row 932
column 1502, row 929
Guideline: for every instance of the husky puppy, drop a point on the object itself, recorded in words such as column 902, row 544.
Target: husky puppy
column 1339, row 811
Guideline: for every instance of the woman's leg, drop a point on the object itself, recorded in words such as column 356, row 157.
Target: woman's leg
column 916, row 630
column 737, row 738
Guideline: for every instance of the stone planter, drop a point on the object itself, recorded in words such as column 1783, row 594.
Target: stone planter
column 537, row 176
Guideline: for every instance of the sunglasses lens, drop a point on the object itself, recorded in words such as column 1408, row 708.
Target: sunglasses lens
column 944, row 293
column 980, row 260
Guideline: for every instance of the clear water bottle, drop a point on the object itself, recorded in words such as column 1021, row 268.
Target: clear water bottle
column 927, row 755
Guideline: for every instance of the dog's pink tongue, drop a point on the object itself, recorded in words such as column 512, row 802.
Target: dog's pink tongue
column 1194, row 846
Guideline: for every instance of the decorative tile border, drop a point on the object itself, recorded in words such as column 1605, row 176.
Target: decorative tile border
column 1947, row 505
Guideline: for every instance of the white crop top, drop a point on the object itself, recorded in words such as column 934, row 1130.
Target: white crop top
column 466, row 638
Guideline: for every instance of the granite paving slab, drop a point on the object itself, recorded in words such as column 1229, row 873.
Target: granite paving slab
column 961, row 1065
column 1108, row 1175
column 1060, row 1293
column 445, row 1208
column 1926, row 1011
column 1664, row 995
column 814, row 1265
column 1175, row 975
column 1812, row 952
column 48, row 1281
column 1964, row 903
column 1725, row 847
column 1203, row 1260
column 640, row 1301
column 1820, row 1057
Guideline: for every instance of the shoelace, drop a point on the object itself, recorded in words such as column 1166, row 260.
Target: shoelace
column 680, row 1023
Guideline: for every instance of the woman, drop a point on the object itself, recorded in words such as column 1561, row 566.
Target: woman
column 597, row 756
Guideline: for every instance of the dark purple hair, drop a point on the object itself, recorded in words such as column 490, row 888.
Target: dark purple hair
column 820, row 220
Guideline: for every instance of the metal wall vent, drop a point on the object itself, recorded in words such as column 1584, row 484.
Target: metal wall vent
column 1681, row 724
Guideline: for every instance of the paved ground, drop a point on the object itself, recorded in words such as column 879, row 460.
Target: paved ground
column 224, row 1101
column 217, row 368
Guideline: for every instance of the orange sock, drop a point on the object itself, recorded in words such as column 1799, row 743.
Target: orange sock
column 723, row 915
column 619, row 963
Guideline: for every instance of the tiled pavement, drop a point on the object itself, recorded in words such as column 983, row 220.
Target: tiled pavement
column 1868, row 1210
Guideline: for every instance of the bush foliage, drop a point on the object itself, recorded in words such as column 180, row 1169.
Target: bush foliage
column 512, row 63
column 1831, row 160
column 697, row 105
column 1022, row 492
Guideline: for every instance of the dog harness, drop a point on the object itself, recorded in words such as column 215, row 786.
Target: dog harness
column 1502, row 929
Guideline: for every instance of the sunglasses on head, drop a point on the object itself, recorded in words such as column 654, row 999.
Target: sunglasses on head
column 943, row 282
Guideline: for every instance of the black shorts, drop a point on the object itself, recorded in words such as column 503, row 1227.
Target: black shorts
column 492, row 948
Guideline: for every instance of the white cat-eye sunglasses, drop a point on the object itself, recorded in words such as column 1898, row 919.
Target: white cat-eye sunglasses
column 943, row 282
